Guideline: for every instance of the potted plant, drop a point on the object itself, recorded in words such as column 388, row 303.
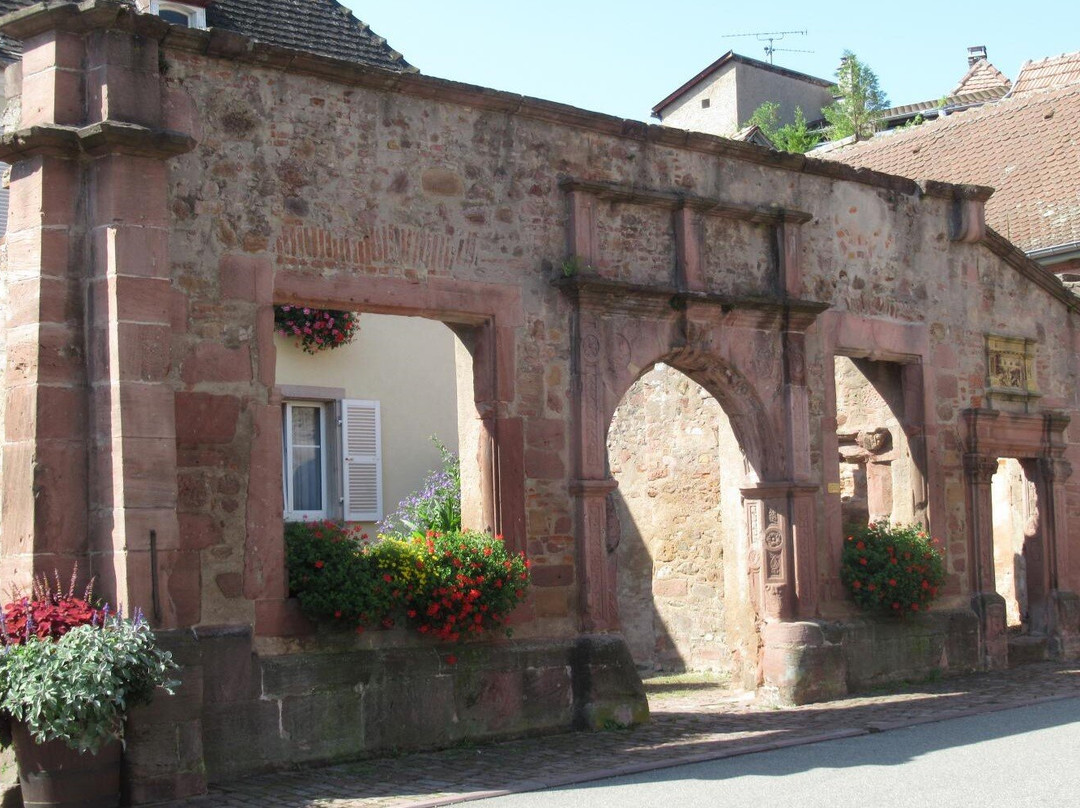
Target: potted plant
column 69, row 673
column 314, row 329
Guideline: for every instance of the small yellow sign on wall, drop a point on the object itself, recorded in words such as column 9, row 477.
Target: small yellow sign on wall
column 835, row 488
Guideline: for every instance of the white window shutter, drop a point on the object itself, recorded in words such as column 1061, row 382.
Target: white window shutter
column 361, row 444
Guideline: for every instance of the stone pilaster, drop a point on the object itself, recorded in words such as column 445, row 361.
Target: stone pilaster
column 45, row 462
column 597, row 566
column 90, row 450
column 986, row 602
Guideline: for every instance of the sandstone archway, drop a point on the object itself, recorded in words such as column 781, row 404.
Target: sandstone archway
column 751, row 359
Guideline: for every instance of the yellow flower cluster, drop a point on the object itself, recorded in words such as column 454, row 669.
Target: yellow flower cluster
column 402, row 558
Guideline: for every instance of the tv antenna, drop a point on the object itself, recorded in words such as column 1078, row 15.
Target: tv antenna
column 771, row 37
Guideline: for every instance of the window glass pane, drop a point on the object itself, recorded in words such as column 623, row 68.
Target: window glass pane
column 305, row 426
column 307, row 479
column 176, row 17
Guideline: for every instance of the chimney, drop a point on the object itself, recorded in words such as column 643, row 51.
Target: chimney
column 976, row 54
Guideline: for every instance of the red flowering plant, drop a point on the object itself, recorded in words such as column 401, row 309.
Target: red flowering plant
column 892, row 569
column 315, row 329
column 473, row 584
column 445, row 585
column 70, row 671
column 48, row 612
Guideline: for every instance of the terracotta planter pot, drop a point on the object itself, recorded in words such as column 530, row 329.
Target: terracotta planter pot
column 53, row 775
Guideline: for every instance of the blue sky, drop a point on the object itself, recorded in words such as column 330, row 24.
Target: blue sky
column 622, row 58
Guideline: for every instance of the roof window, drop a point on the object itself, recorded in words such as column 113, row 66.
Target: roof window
column 191, row 16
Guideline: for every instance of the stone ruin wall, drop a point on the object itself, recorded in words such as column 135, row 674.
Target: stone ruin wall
column 328, row 180
column 409, row 195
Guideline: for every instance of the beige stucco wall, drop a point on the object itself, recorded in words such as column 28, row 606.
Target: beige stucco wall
column 722, row 115
column 1014, row 513
column 756, row 86
column 405, row 363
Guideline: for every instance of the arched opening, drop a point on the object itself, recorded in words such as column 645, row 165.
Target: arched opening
column 684, row 594
column 880, row 474
column 1016, row 526
column 362, row 423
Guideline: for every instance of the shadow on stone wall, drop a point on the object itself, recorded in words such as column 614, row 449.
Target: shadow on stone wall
column 672, row 451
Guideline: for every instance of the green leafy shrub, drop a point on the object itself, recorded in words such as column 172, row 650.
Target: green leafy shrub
column 892, row 569
column 79, row 688
column 333, row 574
column 435, row 506
column 446, row 585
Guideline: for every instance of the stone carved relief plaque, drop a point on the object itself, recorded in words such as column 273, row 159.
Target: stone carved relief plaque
column 1010, row 367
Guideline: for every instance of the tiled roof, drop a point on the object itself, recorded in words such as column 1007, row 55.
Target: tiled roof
column 318, row 26
column 982, row 76
column 753, row 134
column 9, row 50
column 1054, row 71
column 1026, row 148
column 955, row 101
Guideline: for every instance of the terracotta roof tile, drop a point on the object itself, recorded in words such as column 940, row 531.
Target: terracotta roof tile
column 1052, row 72
column 1028, row 148
column 318, row 26
column 982, row 76
column 973, row 98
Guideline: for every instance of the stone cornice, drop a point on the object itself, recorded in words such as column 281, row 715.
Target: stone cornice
column 611, row 296
column 673, row 200
column 67, row 15
column 94, row 140
column 993, row 434
column 90, row 14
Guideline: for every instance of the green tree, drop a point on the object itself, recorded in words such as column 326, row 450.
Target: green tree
column 860, row 102
column 791, row 137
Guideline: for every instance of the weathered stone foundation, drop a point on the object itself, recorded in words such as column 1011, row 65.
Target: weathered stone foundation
column 809, row 661
column 240, row 711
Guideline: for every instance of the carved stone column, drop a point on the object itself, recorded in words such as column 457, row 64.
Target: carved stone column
column 772, row 550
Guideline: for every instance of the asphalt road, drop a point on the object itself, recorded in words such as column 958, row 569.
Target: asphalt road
column 1016, row 758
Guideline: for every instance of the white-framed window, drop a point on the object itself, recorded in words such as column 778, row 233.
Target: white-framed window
column 179, row 13
column 307, row 489
column 331, row 457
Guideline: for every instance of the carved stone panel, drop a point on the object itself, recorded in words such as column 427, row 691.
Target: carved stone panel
column 1010, row 368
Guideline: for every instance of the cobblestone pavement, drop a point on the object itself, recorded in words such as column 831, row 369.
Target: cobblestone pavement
column 690, row 724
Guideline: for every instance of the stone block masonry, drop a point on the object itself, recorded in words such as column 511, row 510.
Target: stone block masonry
column 169, row 187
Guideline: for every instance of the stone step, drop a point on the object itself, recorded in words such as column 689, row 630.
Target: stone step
column 1024, row 650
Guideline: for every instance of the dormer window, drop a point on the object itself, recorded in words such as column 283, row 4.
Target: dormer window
column 186, row 14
